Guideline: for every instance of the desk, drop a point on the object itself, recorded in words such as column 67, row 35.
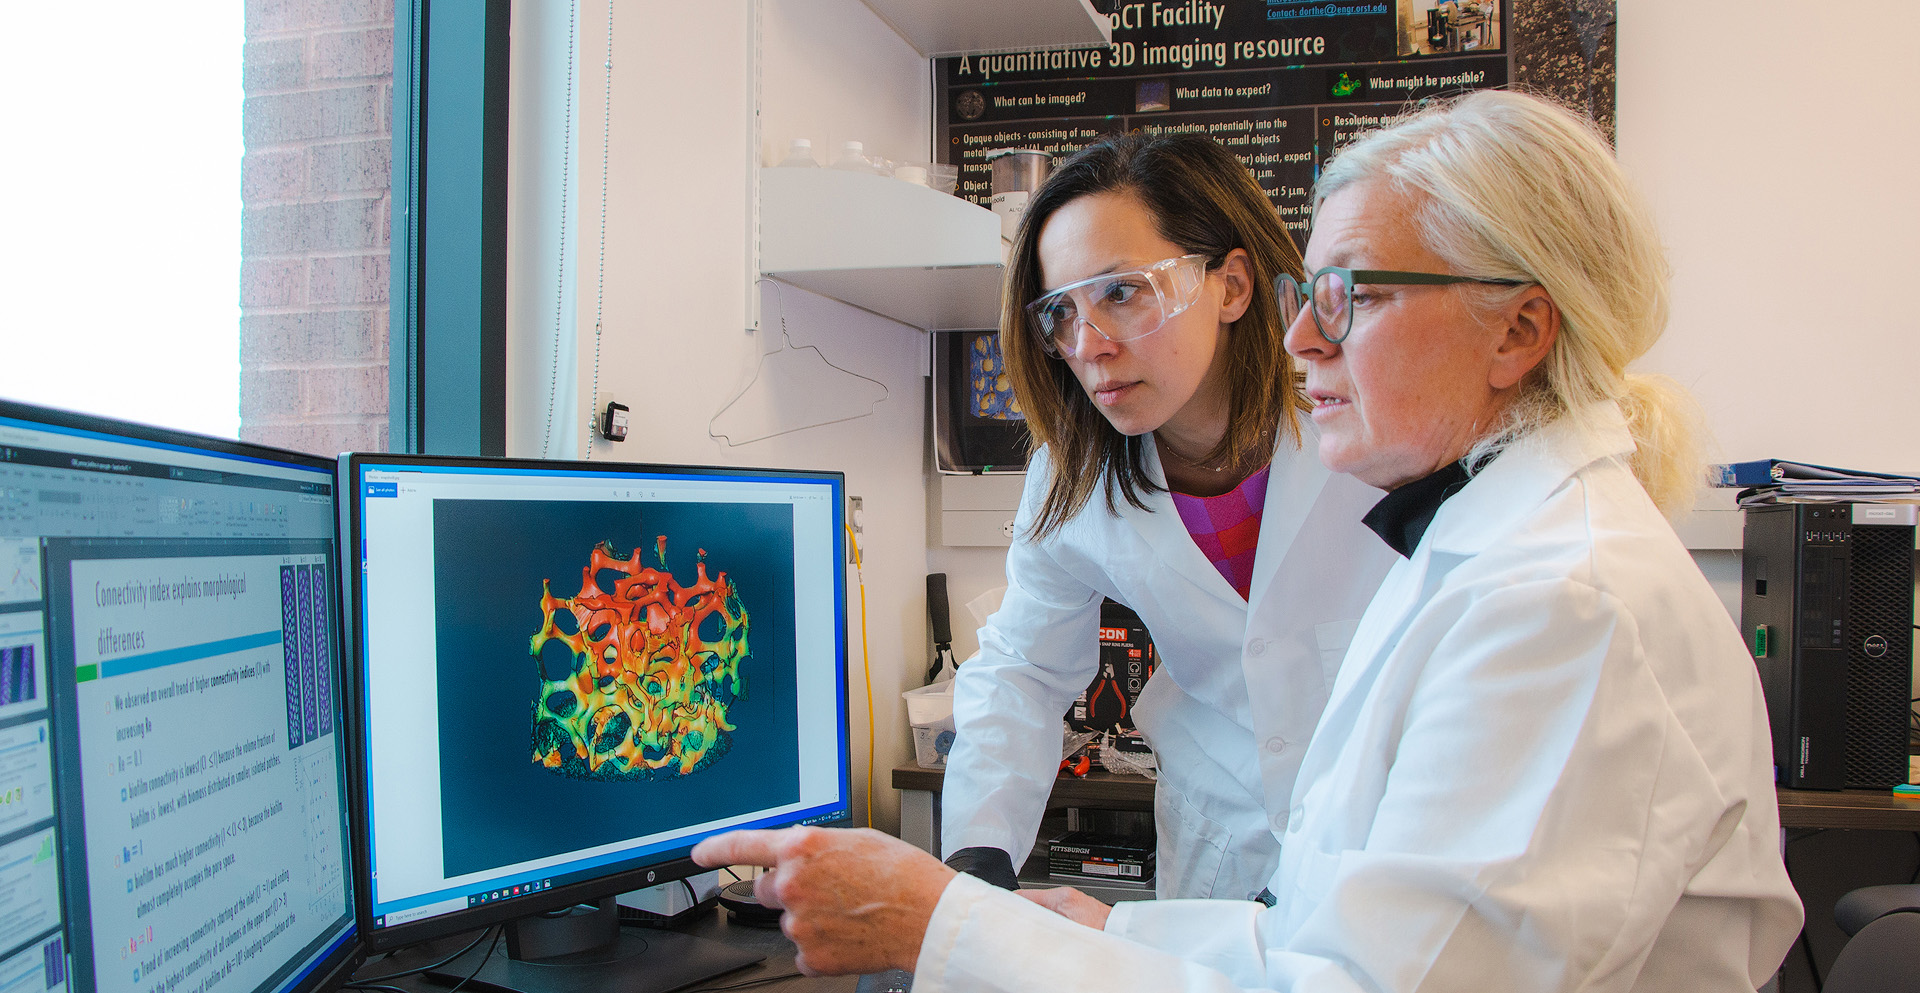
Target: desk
column 1876, row 810
column 713, row 926
column 1872, row 810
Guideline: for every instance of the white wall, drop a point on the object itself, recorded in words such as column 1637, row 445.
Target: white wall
column 1777, row 147
column 1777, row 142
column 834, row 72
column 970, row 572
column 680, row 163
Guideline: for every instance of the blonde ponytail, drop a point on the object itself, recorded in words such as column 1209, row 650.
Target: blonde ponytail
column 1665, row 423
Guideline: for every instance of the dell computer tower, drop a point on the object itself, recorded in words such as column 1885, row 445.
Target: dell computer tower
column 1826, row 605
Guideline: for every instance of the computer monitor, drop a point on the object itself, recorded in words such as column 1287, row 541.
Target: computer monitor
column 567, row 673
column 172, row 810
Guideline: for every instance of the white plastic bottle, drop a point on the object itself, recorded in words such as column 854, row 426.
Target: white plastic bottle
column 852, row 158
column 799, row 155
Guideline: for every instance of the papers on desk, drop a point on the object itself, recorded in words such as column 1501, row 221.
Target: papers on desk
column 1770, row 481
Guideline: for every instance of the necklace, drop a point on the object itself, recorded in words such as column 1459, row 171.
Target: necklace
column 1180, row 457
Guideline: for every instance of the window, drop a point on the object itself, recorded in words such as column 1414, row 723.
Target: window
column 123, row 211
column 198, row 225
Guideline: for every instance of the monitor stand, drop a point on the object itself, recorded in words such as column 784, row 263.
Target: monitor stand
column 584, row 950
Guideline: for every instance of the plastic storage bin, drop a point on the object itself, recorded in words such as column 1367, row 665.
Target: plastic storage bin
column 930, row 712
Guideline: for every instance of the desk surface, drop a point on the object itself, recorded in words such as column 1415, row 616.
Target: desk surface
column 713, row 926
column 1876, row 810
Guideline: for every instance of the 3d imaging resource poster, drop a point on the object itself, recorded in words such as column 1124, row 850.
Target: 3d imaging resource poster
column 689, row 715
column 1283, row 83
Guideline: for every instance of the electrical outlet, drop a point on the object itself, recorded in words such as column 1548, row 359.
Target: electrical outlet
column 1007, row 528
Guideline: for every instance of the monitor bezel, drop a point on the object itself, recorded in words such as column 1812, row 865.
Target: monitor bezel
column 347, row 951
column 670, row 868
column 58, row 417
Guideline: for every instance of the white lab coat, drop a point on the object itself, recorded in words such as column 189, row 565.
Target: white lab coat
column 1545, row 766
column 1238, row 689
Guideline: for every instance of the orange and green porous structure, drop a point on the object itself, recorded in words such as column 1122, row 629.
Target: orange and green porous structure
column 648, row 694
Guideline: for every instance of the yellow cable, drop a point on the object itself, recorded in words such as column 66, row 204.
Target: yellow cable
column 866, row 665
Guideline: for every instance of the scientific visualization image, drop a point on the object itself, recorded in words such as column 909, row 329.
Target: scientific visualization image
column 647, row 696
column 17, row 683
column 606, row 671
column 990, row 388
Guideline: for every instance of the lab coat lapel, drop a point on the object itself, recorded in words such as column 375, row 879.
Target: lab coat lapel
column 1524, row 475
column 1400, row 594
column 1161, row 527
column 1293, row 486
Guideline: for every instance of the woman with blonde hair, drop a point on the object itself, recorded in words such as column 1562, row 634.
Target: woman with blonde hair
column 1545, row 763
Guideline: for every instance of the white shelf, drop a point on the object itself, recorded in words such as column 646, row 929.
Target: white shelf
column 900, row 250
column 946, row 27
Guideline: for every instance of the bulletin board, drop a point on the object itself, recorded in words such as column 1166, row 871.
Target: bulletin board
column 1283, row 83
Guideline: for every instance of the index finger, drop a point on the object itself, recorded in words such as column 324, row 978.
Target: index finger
column 737, row 848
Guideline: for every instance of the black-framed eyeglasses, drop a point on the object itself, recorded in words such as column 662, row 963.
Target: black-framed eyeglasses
column 1332, row 294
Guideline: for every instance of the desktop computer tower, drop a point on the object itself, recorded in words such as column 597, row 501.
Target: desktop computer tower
column 1826, row 604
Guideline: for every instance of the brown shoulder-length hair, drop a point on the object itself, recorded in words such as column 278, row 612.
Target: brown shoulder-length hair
column 1205, row 201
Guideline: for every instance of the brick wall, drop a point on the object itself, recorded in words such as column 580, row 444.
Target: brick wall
column 316, row 208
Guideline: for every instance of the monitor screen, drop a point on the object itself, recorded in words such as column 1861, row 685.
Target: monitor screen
column 978, row 425
column 568, row 673
column 172, row 810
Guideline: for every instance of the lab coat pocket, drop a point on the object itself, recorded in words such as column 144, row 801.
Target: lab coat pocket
column 1333, row 638
column 1190, row 848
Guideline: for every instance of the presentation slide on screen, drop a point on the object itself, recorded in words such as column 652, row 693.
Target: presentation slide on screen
column 23, row 664
column 38, row 968
column 208, row 771
column 29, row 888
column 26, row 776
column 19, row 570
column 662, row 664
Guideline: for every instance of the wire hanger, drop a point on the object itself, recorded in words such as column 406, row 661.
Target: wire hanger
column 787, row 347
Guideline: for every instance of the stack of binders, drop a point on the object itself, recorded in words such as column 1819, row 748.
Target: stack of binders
column 1770, row 481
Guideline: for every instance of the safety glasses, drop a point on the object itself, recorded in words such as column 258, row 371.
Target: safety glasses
column 1118, row 306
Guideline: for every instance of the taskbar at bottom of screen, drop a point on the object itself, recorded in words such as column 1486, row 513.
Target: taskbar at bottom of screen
column 456, row 903
column 508, row 893
column 836, row 815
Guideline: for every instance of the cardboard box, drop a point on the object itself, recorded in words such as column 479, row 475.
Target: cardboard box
column 1107, row 858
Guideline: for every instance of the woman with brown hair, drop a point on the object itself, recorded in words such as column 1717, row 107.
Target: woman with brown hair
column 1144, row 339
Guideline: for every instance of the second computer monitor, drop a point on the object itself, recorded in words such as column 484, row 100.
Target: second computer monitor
column 172, row 818
column 569, row 673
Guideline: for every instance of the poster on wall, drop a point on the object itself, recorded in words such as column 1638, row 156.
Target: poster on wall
column 1282, row 83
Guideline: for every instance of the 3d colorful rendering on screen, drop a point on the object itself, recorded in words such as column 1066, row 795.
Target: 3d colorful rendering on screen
column 648, row 694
